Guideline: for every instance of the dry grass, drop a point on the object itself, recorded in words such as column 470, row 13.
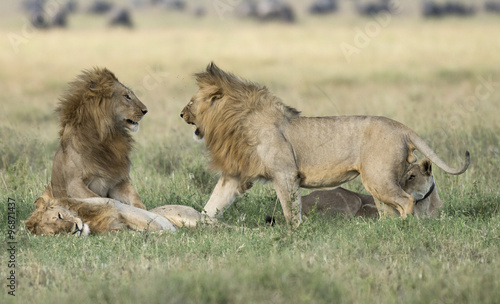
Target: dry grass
column 420, row 73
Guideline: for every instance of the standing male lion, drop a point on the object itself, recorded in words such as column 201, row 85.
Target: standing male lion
column 252, row 135
column 97, row 115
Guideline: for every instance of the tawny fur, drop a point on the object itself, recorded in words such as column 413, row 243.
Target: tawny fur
column 46, row 219
column 230, row 139
column 53, row 216
column 417, row 181
column 100, row 215
column 97, row 114
column 251, row 135
column 87, row 121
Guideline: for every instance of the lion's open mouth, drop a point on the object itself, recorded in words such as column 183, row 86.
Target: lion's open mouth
column 129, row 121
column 133, row 126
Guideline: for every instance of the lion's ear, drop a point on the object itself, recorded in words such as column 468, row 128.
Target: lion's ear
column 40, row 203
column 215, row 97
column 92, row 85
column 426, row 167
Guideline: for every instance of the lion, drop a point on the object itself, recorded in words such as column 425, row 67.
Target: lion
column 418, row 181
column 99, row 215
column 251, row 135
column 97, row 115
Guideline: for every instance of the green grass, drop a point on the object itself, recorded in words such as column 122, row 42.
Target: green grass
column 417, row 72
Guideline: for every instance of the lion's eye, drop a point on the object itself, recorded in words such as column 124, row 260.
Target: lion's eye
column 412, row 177
column 127, row 96
column 59, row 216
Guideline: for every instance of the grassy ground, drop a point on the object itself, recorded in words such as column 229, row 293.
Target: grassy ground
column 438, row 77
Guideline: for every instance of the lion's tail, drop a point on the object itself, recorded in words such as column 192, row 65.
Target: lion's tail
column 422, row 146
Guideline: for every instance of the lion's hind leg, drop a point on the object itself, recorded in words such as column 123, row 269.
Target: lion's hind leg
column 384, row 209
column 397, row 199
column 392, row 195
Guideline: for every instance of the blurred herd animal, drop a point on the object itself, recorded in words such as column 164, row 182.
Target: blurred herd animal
column 57, row 14
column 449, row 8
column 322, row 7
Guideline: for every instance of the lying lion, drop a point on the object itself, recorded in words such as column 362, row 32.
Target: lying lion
column 99, row 215
column 97, row 115
column 418, row 181
column 252, row 135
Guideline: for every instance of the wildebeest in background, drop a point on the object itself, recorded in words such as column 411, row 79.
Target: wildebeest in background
column 43, row 16
column 100, row 7
column 199, row 11
column 60, row 18
column 177, row 5
column 36, row 12
column 271, row 10
column 120, row 16
column 265, row 10
column 432, row 9
column 319, row 7
column 71, row 6
column 492, row 7
column 373, row 8
column 39, row 19
column 32, row 5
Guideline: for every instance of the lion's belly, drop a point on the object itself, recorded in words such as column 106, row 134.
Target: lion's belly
column 326, row 178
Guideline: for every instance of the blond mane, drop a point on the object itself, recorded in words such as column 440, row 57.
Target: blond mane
column 226, row 122
column 87, row 120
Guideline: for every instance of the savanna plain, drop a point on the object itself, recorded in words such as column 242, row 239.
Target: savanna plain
column 439, row 77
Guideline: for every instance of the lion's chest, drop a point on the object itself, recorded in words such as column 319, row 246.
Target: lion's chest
column 101, row 186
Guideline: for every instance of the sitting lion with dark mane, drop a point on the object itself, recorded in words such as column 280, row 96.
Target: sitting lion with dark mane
column 97, row 115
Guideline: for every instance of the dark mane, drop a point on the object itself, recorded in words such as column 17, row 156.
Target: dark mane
column 87, row 120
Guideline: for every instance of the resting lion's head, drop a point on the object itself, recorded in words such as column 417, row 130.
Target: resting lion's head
column 51, row 219
column 97, row 103
column 418, row 181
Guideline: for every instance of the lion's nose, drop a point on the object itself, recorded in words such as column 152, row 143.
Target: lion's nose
column 182, row 115
column 144, row 111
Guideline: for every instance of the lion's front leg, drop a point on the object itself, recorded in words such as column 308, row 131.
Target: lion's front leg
column 287, row 188
column 125, row 193
column 226, row 190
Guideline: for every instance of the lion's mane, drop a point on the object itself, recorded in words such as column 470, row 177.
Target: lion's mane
column 237, row 107
column 100, row 218
column 87, row 120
